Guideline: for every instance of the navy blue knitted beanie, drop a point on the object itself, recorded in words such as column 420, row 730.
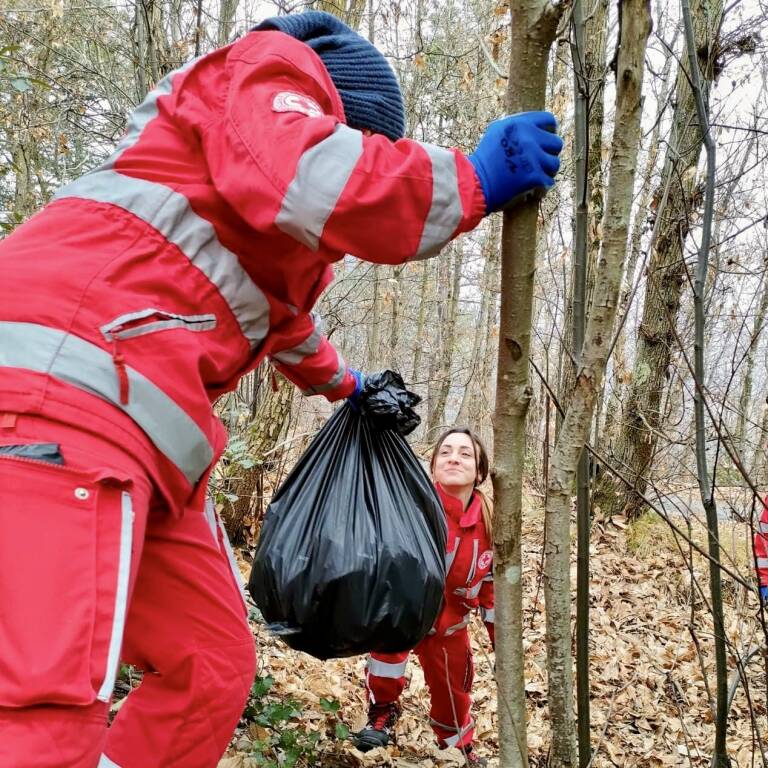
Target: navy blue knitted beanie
column 366, row 83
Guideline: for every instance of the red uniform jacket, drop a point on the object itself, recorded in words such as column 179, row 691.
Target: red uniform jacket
column 153, row 283
column 761, row 545
column 469, row 560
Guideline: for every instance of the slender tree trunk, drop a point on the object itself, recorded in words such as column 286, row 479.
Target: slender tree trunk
column 720, row 757
column 581, row 87
column 420, row 322
column 636, row 443
column 614, row 408
column 226, row 23
column 745, row 398
column 534, row 24
column 441, row 381
column 633, row 34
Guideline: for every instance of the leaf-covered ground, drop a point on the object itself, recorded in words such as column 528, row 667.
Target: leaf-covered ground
column 649, row 659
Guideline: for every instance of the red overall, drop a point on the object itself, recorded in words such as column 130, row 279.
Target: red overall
column 127, row 306
column 445, row 654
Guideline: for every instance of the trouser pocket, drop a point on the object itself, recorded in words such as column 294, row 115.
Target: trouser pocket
column 65, row 563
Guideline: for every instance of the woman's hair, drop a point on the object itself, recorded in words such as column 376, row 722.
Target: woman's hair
column 481, row 469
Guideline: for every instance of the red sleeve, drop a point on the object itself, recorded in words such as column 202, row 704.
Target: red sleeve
column 311, row 362
column 281, row 156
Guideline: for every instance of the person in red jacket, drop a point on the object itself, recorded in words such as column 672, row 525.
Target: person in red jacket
column 761, row 551
column 459, row 464
column 128, row 305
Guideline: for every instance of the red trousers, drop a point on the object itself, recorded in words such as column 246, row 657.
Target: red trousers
column 448, row 671
column 93, row 570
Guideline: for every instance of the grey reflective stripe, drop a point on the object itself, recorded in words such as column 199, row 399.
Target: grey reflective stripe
column 452, row 741
column 475, row 546
column 487, row 615
column 209, row 513
column 321, row 175
column 762, row 562
column 309, row 346
column 238, row 577
column 450, row 556
column 90, row 368
column 105, row 762
column 763, row 527
column 337, row 378
column 386, row 669
column 170, row 213
column 145, row 113
column 121, row 597
column 114, row 330
column 460, row 732
column 456, row 627
column 469, row 593
column 446, row 211
column 488, row 577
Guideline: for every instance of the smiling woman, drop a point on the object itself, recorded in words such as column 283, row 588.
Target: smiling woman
column 458, row 465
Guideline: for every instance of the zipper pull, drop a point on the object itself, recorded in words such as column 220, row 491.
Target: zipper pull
column 122, row 374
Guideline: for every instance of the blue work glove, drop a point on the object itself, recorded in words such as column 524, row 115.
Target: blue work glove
column 764, row 593
column 517, row 157
column 359, row 384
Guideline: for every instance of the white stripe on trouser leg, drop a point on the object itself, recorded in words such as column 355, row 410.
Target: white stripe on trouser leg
column 121, row 597
column 105, row 762
column 460, row 733
column 762, row 562
column 231, row 558
column 386, row 669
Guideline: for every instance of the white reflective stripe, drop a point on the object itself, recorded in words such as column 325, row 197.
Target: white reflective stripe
column 456, row 627
column 90, row 368
column 469, row 593
column 487, row 614
column 338, row 377
column 762, row 562
column 145, row 113
column 452, row 741
column 121, row 597
column 386, row 669
column 210, row 517
column 460, row 732
column 105, row 762
column 763, row 527
column 450, row 556
column 446, row 211
column 488, row 577
column 321, row 175
column 163, row 321
column 475, row 546
column 231, row 557
column 170, row 213
column 309, row 346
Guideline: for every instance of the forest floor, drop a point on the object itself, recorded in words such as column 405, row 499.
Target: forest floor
column 652, row 669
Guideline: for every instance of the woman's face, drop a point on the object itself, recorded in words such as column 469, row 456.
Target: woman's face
column 455, row 462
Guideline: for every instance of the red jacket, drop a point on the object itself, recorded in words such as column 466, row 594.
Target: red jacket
column 761, row 545
column 469, row 561
column 201, row 246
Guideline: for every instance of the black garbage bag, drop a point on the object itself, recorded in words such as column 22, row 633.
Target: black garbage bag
column 351, row 557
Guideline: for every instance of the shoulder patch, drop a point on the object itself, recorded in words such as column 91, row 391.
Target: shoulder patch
column 485, row 559
column 290, row 101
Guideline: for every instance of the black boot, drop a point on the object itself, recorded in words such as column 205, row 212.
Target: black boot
column 380, row 727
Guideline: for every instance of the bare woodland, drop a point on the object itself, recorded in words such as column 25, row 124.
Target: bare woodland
column 608, row 342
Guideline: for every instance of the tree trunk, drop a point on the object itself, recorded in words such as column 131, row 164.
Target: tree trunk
column 534, row 24
column 637, row 440
column 613, row 413
column 270, row 411
column 226, row 22
column 441, row 380
column 633, row 34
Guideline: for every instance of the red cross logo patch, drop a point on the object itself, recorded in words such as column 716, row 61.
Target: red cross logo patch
column 289, row 101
